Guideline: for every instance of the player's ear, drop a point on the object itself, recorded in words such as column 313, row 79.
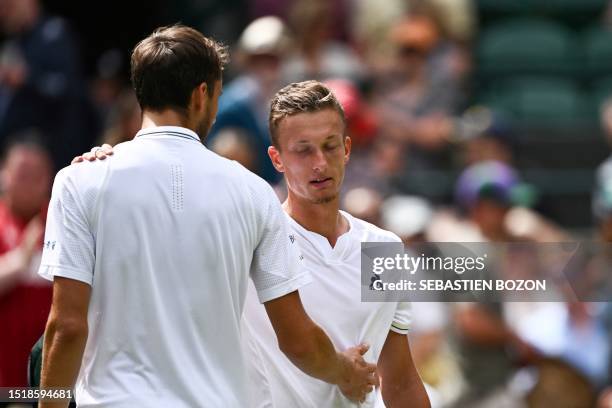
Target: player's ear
column 200, row 97
column 276, row 159
column 347, row 148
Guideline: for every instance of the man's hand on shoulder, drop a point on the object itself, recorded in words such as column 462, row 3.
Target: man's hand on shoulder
column 96, row 153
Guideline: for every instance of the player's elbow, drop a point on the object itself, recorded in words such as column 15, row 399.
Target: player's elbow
column 67, row 328
column 304, row 346
column 300, row 349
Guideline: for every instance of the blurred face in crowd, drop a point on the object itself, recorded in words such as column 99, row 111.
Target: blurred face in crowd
column 605, row 230
column 414, row 37
column 363, row 203
column 233, row 144
column 26, row 180
column 411, row 60
column 311, row 21
column 18, row 15
column 312, row 153
column 606, row 120
column 489, row 215
column 483, row 149
column 266, row 67
column 387, row 157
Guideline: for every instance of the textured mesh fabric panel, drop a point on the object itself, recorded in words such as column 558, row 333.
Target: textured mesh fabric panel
column 276, row 258
column 69, row 241
column 178, row 187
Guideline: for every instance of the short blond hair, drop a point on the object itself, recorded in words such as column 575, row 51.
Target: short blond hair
column 301, row 97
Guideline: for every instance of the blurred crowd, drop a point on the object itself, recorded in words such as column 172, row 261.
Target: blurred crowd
column 429, row 162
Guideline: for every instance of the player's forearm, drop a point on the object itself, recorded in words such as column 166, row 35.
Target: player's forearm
column 316, row 356
column 401, row 385
column 402, row 394
column 62, row 353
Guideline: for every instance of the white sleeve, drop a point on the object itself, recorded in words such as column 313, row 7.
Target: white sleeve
column 403, row 313
column 401, row 319
column 276, row 268
column 68, row 248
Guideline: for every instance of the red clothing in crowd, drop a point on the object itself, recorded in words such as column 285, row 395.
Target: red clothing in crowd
column 23, row 309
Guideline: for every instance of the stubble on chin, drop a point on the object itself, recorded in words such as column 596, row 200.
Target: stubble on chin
column 325, row 200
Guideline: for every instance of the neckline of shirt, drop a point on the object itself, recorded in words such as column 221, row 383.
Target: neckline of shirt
column 337, row 251
column 177, row 131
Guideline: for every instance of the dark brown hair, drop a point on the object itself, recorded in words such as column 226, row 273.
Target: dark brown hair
column 301, row 97
column 170, row 63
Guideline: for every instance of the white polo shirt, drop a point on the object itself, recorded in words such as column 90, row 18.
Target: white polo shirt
column 166, row 233
column 333, row 300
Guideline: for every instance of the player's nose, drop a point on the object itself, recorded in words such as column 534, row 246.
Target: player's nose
column 319, row 161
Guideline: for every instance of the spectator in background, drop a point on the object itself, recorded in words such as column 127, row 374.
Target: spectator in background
column 317, row 55
column 412, row 107
column 449, row 60
column 364, row 203
column 482, row 336
column 378, row 168
column 575, row 335
column 457, row 17
column 124, row 119
column 234, row 144
column 407, row 216
column 486, row 191
column 372, row 19
column 40, row 80
column 340, row 11
column 24, row 298
column 370, row 24
column 108, row 84
column 606, row 119
column 244, row 103
column 602, row 196
column 416, row 102
column 484, row 136
column 602, row 208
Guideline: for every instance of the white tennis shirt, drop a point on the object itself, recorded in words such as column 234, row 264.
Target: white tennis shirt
column 166, row 233
column 333, row 300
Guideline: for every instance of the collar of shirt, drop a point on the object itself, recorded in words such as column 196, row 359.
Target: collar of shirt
column 177, row 131
column 335, row 254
